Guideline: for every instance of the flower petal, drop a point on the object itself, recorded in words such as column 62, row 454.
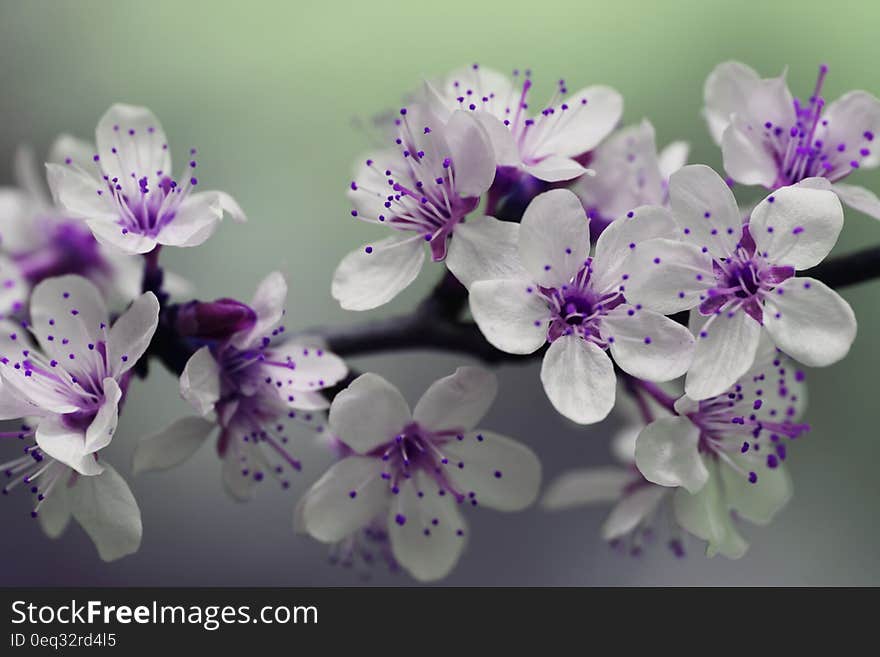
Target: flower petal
column 428, row 550
column 673, row 157
column 484, row 249
column 132, row 333
column 105, row 508
column 511, row 314
column 667, row 454
column 373, row 275
column 54, row 514
column 13, row 288
column 586, row 486
column 81, row 194
column 200, row 381
column 132, row 144
column 369, row 413
column 706, row 516
column 667, row 276
column 631, row 511
column 457, row 401
column 111, row 234
column 555, row 168
column 726, row 348
column 502, row 473
column 330, row 513
column 554, row 237
column 810, row 322
column 103, row 426
column 195, row 220
column 727, row 92
column 67, row 446
column 579, row 380
column 797, row 225
column 858, row 198
column 171, row 446
column 307, row 368
column 852, row 118
column 473, row 160
column 705, row 209
column 584, row 120
column 646, row 344
column 758, row 502
column 746, row 157
column 69, row 319
column 268, row 305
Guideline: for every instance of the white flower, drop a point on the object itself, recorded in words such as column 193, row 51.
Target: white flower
column 126, row 194
column 725, row 453
column 415, row 469
column 543, row 144
column 249, row 386
column 73, row 382
column 637, row 503
column 771, row 139
column 38, row 240
column 423, row 188
column 628, row 173
column 576, row 303
column 742, row 276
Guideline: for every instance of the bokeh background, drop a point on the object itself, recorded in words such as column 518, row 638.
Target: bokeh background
column 273, row 94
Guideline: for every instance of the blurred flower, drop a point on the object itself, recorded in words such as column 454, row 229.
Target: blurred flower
column 38, row 241
column 423, row 188
column 576, row 303
column 414, row 469
column 125, row 192
column 73, row 384
column 771, row 139
column 741, row 277
column 543, row 145
column 725, row 453
column 249, row 385
column 628, row 173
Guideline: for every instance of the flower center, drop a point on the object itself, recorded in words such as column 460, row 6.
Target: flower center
column 576, row 307
column 69, row 249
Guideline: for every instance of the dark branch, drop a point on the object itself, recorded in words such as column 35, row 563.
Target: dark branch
column 849, row 269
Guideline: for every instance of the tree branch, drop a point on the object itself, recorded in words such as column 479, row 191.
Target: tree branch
column 849, row 269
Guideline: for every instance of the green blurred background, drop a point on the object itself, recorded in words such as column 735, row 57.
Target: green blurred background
column 271, row 94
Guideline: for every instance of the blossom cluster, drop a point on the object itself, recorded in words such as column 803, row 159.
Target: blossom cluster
column 651, row 295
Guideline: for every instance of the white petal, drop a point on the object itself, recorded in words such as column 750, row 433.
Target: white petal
column 673, row 157
column 69, row 150
column 810, row 322
column 587, row 486
column 231, row 207
column 511, row 314
column 859, row 198
column 667, row 453
column 54, row 514
column 758, row 502
column 12, row 405
column 268, row 305
column 374, row 274
column 849, row 118
column 501, row 138
column 67, row 315
column 13, row 288
column 484, row 248
column 141, row 148
column 622, row 236
column 330, row 513
column 111, row 234
column 726, row 347
column 200, row 381
column 457, row 401
column 171, row 446
column 67, row 445
column 238, row 484
column 555, row 168
column 581, row 126
column 502, row 473
column 631, row 511
column 427, row 550
column 727, row 92
column 308, row 368
column 705, row 209
column 473, row 160
column 77, row 193
column 705, row 515
column 103, row 426
column 194, row 221
column 132, row 333
column 797, row 225
column 369, row 413
column 746, row 157
column 554, row 237
column 105, row 508
column 579, row 380
column 646, row 344
column 667, row 276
